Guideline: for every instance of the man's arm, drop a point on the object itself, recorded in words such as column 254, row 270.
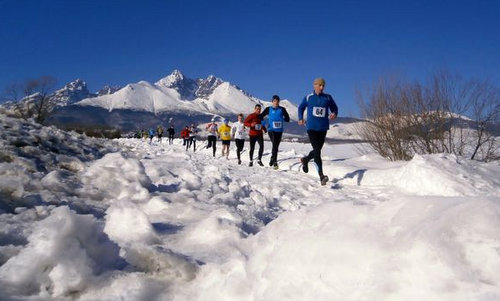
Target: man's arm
column 263, row 114
column 286, row 117
column 302, row 108
column 333, row 109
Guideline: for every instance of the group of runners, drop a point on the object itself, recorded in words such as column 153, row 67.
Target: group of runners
column 254, row 122
column 151, row 133
column 321, row 108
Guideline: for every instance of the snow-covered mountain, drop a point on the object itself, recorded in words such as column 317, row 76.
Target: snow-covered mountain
column 141, row 96
column 71, row 93
column 108, row 90
column 207, row 86
column 144, row 104
column 178, row 93
column 186, row 87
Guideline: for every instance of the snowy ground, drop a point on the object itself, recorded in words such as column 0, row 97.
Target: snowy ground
column 127, row 220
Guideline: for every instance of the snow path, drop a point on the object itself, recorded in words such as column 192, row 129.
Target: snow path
column 365, row 223
column 195, row 188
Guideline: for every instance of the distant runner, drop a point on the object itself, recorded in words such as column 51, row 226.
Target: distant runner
column 159, row 132
column 213, row 131
column 239, row 133
column 225, row 136
column 185, row 136
column 171, row 133
column 193, row 131
column 151, row 135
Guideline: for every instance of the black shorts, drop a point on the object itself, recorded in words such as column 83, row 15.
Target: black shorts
column 226, row 142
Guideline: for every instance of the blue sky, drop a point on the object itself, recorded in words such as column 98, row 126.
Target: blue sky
column 264, row 47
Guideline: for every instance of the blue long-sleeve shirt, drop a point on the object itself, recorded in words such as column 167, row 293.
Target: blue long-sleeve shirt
column 319, row 107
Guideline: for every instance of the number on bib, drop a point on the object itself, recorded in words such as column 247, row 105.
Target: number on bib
column 277, row 124
column 319, row 111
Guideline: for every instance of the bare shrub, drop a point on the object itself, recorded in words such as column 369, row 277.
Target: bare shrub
column 404, row 119
column 93, row 130
column 31, row 99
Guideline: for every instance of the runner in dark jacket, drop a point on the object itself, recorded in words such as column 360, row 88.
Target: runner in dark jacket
column 171, row 133
column 276, row 116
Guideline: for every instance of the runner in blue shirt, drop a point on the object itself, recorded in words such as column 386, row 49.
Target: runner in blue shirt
column 320, row 109
column 276, row 116
column 151, row 135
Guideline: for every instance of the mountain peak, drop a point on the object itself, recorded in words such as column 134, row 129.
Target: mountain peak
column 182, row 84
column 207, row 86
column 107, row 90
column 213, row 79
column 177, row 72
column 71, row 93
column 173, row 79
column 75, row 85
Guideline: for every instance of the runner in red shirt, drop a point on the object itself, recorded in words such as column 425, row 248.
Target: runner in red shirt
column 256, row 128
column 185, row 136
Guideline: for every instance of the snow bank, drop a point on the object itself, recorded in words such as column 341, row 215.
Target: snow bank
column 13, row 179
column 337, row 251
column 432, row 175
column 116, row 177
column 141, row 247
column 214, row 238
column 218, row 227
column 40, row 165
column 127, row 224
column 447, row 175
column 131, row 286
column 65, row 253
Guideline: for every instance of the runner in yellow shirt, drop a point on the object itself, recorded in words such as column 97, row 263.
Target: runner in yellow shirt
column 225, row 136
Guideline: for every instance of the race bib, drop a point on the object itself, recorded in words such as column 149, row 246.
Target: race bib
column 319, row 111
column 257, row 127
column 277, row 124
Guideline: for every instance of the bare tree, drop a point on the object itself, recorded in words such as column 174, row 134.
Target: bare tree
column 386, row 130
column 410, row 118
column 485, row 108
column 451, row 93
column 35, row 97
column 46, row 84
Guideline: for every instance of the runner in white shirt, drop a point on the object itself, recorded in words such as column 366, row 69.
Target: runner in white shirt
column 239, row 134
column 213, row 131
